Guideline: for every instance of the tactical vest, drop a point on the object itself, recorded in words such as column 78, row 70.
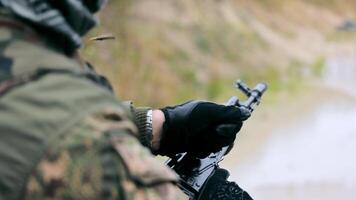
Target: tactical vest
column 32, row 113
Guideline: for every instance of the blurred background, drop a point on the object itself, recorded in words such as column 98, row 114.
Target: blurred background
column 301, row 141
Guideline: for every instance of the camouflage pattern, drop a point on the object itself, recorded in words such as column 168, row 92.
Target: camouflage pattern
column 63, row 136
column 98, row 159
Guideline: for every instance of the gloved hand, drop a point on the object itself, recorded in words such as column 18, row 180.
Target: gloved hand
column 200, row 127
column 218, row 188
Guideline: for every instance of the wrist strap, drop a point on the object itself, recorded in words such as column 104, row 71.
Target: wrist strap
column 149, row 121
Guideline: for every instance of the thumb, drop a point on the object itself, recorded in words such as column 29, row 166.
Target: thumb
column 234, row 114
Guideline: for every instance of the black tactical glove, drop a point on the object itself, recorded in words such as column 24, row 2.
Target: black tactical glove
column 218, row 188
column 199, row 127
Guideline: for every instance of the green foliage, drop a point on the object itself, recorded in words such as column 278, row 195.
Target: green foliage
column 202, row 42
column 318, row 66
column 341, row 36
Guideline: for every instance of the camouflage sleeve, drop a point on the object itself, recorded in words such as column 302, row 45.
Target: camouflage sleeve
column 100, row 158
column 139, row 114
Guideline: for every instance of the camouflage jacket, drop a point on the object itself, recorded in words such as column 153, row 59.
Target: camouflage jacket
column 65, row 136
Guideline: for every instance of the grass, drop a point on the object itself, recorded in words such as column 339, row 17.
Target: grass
column 318, row 66
column 149, row 65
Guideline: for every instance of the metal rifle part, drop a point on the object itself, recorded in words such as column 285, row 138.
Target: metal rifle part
column 194, row 172
column 254, row 95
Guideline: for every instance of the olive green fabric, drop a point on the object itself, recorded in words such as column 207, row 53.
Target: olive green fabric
column 85, row 164
column 63, row 136
column 35, row 113
column 63, row 22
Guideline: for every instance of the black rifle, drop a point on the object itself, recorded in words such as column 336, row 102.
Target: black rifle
column 195, row 172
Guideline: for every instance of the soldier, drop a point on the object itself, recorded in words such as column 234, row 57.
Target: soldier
column 63, row 134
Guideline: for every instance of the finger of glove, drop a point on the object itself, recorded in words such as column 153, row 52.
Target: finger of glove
column 224, row 114
column 234, row 114
column 213, row 142
column 228, row 130
column 219, row 113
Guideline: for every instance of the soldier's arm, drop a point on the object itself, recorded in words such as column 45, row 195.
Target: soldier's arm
column 140, row 115
column 101, row 158
column 92, row 150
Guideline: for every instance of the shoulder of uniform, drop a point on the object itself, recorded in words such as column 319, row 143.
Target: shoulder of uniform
column 27, row 52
